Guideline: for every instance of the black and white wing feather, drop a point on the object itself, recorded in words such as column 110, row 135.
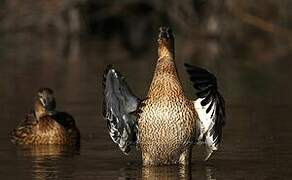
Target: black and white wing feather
column 118, row 109
column 210, row 107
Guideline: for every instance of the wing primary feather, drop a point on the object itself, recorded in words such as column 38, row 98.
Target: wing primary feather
column 210, row 107
column 118, row 106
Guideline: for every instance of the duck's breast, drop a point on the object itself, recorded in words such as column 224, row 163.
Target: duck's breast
column 49, row 131
column 166, row 124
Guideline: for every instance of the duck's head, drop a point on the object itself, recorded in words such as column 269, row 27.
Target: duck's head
column 165, row 42
column 45, row 103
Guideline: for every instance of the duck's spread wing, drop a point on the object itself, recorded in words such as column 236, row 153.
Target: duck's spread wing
column 118, row 109
column 210, row 107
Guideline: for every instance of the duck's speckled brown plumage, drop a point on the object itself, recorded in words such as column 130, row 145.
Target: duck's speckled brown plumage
column 46, row 130
column 166, row 124
column 43, row 127
column 168, row 119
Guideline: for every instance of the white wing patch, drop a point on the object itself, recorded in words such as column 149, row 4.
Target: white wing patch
column 210, row 107
column 206, row 119
column 206, row 123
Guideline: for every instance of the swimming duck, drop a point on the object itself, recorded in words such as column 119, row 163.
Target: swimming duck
column 166, row 124
column 45, row 125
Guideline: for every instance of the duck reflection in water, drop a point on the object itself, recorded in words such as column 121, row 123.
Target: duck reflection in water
column 178, row 172
column 50, row 161
column 173, row 172
column 166, row 172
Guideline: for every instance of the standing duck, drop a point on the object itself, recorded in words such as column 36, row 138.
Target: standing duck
column 45, row 125
column 166, row 124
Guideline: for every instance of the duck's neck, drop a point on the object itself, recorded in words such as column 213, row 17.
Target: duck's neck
column 165, row 66
column 166, row 50
column 165, row 78
column 165, row 63
column 40, row 111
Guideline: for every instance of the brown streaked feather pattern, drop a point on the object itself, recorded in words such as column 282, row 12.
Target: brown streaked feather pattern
column 168, row 122
column 165, row 78
column 50, row 129
column 168, row 119
column 24, row 129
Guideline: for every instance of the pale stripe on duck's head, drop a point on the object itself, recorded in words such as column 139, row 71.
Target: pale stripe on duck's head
column 46, row 98
column 165, row 42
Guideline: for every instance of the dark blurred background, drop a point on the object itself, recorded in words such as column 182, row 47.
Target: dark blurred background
column 248, row 26
column 66, row 45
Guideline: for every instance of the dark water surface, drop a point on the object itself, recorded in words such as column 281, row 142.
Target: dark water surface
column 257, row 136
